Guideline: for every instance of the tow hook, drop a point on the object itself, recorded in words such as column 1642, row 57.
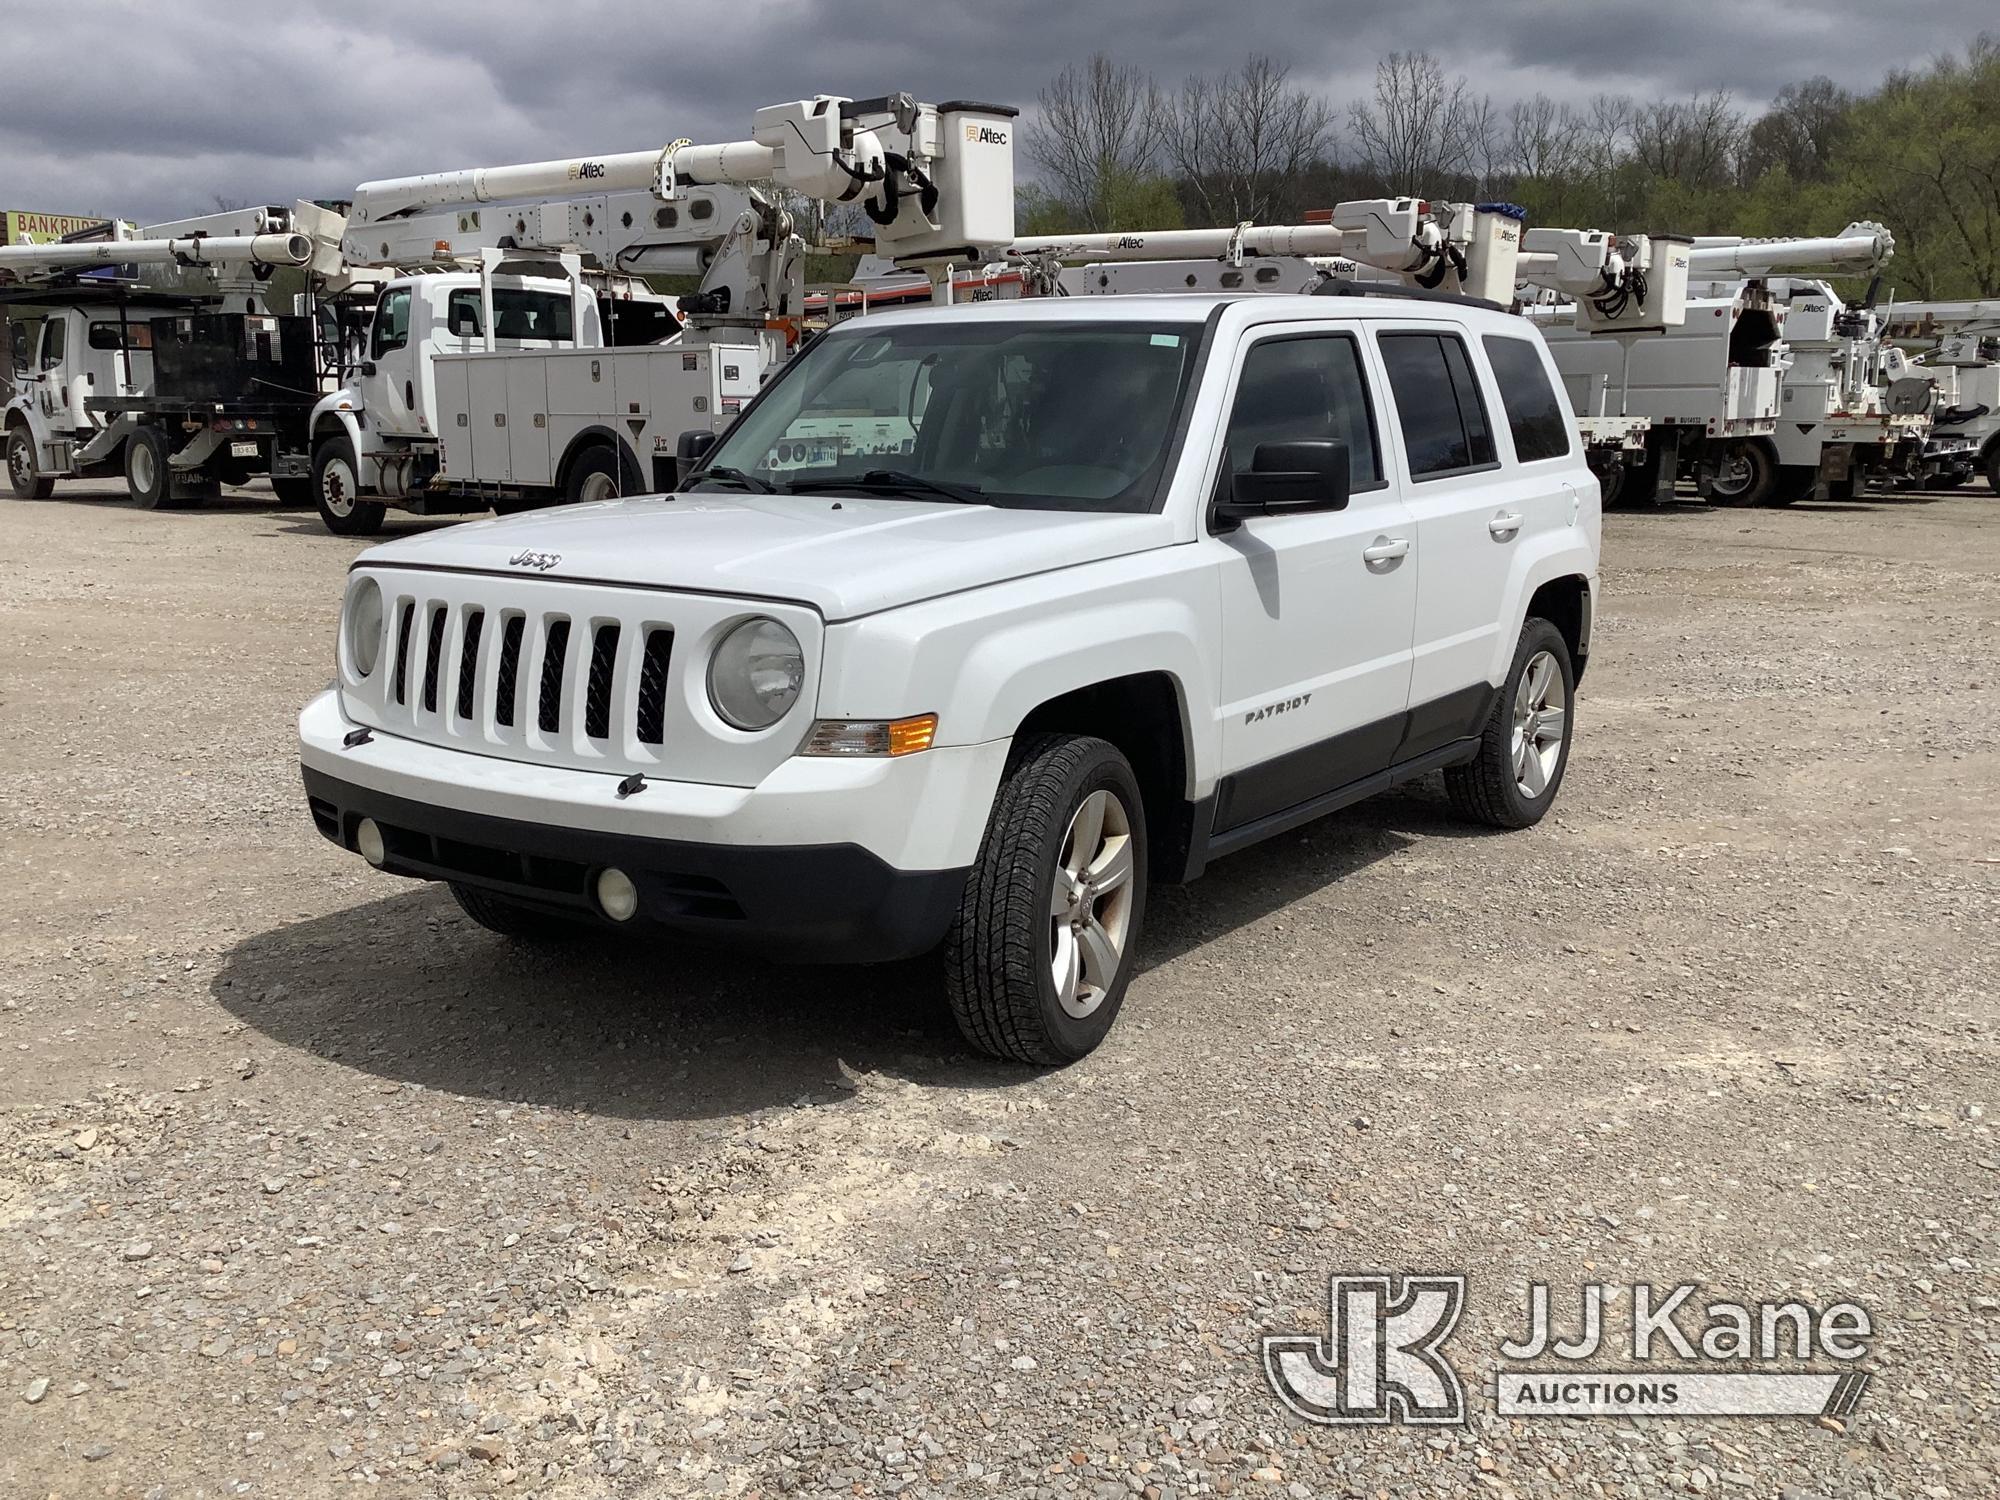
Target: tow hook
column 632, row 785
column 356, row 737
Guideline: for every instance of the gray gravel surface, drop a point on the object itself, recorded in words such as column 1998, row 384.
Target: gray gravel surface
column 306, row 1181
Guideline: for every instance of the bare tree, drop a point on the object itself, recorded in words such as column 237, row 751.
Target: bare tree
column 1544, row 140
column 1091, row 135
column 1805, row 126
column 1693, row 141
column 1606, row 132
column 1421, row 128
column 1240, row 143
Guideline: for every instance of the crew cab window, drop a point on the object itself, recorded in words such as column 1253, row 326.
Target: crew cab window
column 1534, row 414
column 392, row 322
column 517, row 314
column 1042, row 413
column 1438, row 404
column 1305, row 389
column 107, row 336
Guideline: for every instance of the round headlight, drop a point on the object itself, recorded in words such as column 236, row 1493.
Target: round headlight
column 364, row 626
column 754, row 676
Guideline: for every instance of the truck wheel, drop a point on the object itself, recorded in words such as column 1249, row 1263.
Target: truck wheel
column 1524, row 748
column 511, row 919
column 593, row 475
column 1038, row 958
column 147, row 477
column 1611, row 484
column 336, row 486
column 293, row 494
column 1991, row 464
column 1745, row 476
column 23, row 473
column 1794, row 483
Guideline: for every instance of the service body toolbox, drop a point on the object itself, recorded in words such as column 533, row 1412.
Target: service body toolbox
column 516, row 422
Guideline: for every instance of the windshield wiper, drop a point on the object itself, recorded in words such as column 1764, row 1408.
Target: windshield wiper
column 749, row 482
column 889, row 481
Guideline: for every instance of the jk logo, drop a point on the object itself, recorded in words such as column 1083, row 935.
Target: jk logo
column 1379, row 1361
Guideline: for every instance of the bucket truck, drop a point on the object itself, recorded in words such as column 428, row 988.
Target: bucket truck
column 494, row 383
column 1964, row 363
column 122, row 364
column 1714, row 384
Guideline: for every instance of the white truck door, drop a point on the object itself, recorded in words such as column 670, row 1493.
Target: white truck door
column 1470, row 511
column 528, row 460
column 486, row 401
column 1318, row 607
column 389, row 374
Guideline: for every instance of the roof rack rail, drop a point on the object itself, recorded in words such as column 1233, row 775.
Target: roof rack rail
column 1344, row 286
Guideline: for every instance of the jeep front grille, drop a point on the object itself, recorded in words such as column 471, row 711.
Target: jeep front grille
column 578, row 675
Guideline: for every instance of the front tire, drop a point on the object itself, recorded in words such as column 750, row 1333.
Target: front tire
column 1991, row 464
column 1042, row 948
column 293, row 493
column 24, row 474
column 1524, row 749
column 336, row 488
column 511, row 919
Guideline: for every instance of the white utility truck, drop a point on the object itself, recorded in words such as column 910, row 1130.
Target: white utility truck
column 1155, row 578
column 92, row 323
column 1713, row 384
column 494, row 385
column 1964, row 362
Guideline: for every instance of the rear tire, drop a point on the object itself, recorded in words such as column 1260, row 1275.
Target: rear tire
column 24, row 474
column 336, row 490
column 511, row 919
column 1524, row 749
column 1611, row 484
column 593, row 476
column 1795, row 482
column 1991, row 465
column 1747, row 475
column 148, row 478
column 1042, row 948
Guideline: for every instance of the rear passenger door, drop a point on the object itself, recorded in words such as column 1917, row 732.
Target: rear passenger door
column 1317, row 606
column 1474, row 503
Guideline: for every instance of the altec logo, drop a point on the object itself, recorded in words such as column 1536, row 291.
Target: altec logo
column 985, row 135
column 585, row 171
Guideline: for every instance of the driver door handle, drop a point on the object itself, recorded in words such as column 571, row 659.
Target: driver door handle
column 1503, row 526
column 1387, row 549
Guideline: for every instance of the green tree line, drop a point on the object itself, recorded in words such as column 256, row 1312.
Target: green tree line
column 1111, row 147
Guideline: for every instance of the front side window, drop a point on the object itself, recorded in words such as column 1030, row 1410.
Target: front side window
column 52, row 343
column 1305, row 389
column 1535, row 414
column 528, row 316
column 392, row 322
column 1028, row 413
column 1438, row 405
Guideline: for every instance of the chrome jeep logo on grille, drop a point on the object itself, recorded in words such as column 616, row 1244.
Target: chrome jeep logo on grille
column 541, row 562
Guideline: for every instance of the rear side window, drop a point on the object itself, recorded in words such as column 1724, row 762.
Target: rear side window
column 1438, row 404
column 1534, row 414
column 1305, row 389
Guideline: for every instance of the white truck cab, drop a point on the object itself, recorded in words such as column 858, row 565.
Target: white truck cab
column 376, row 439
column 1147, row 580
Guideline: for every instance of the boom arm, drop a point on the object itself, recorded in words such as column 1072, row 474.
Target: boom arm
column 30, row 262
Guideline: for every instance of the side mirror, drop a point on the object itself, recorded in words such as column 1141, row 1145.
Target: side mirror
column 367, row 367
column 690, row 449
column 1286, row 477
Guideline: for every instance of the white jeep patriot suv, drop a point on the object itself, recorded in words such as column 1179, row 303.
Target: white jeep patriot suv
column 978, row 622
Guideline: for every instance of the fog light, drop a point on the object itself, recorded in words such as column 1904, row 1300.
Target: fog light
column 368, row 840
column 617, row 897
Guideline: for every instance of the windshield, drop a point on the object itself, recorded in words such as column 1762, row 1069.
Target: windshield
column 1043, row 415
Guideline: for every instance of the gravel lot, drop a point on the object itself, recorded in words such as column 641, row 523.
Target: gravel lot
column 307, row 1181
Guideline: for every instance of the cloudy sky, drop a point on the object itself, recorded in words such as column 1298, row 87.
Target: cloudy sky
column 150, row 111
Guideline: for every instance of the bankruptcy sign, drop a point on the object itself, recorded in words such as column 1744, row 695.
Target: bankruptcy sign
column 20, row 227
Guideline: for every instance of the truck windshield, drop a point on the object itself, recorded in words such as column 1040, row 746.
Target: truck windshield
column 1035, row 414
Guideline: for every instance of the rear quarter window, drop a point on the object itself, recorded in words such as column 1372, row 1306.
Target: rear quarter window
column 1438, row 404
column 1535, row 413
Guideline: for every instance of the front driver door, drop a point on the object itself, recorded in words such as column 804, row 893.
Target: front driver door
column 389, row 393
column 1318, row 607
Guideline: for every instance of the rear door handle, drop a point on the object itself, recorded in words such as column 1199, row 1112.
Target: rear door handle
column 1386, row 549
column 1503, row 526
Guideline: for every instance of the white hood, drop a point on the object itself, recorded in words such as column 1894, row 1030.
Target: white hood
column 845, row 556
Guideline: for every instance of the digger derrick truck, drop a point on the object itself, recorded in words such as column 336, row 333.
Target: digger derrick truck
column 488, row 379
column 127, row 360
column 1963, row 363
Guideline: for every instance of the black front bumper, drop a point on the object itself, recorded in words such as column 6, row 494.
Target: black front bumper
column 811, row 903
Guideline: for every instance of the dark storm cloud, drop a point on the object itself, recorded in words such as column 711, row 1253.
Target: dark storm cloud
column 152, row 111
